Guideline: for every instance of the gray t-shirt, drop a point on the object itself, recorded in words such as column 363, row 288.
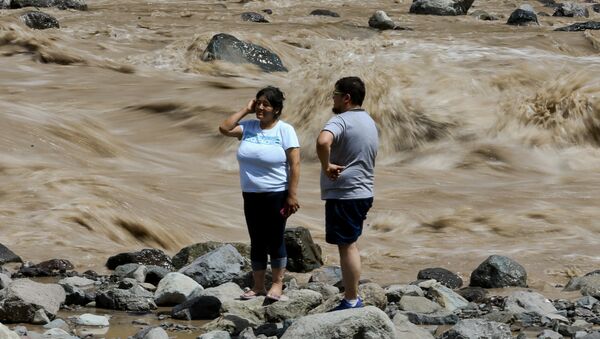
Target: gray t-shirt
column 355, row 142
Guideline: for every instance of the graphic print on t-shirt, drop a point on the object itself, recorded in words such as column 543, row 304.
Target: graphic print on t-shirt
column 257, row 138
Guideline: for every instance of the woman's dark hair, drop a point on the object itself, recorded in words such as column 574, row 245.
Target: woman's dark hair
column 275, row 97
column 352, row 86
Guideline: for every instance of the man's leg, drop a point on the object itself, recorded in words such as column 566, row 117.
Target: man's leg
column 350, row 263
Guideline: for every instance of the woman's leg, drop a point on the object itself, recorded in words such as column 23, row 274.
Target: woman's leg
column 276, row 242
column 258, row 245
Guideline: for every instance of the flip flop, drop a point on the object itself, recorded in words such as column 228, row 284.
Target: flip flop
column 275, row 297
column 250, row 294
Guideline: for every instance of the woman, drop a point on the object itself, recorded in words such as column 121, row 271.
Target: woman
column 269, row 160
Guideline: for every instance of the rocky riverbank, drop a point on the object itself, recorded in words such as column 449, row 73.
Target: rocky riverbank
column 204, row 282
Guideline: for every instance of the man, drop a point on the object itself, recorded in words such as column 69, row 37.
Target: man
column 347, row 147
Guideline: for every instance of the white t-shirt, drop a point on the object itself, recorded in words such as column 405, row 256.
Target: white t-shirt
column 262, row 157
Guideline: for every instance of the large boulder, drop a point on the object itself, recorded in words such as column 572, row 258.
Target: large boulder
column 367, row 322
column 135, row 299
column 407, row 330
column 523, row 17
column 570, row 9
column 442, row 276
column 79, row 290
column 4, row 4
column 60, row 4
column 46, row 268
column 204, row 307
column 225, row 292
column 22, row 299
column 478, row 328
column 581, row 26
column 188, row 254
column 228, row 48
column 372, row 294
column 174, row 289
column 302, row 252
column 499, row 271
column 6, row 333
column 148, row 256
column 215, row 268
column 6, row 255
column 39, row 20
column 298, row 305
column 330, row 275
column 418, row 305
column 444, row 296
column 529, row 302
column 441, row 7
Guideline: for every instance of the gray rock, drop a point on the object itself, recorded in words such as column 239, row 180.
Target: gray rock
column 299, row 304
column 373, row 295
column 581, row 26
column 253, row 17
column 303, row 254
column 60, row 4
column 77, row 282
column 441, row 7
column 483, row 15
column 5, row 280
column 251, row 310
column 473, row 294
column 549, row 334
column 147, row 257
column 6, row 255
column 78, row 296
column 499, row 316
column 381, row 21
column 6, row 333
column 586, row 302
column 442, row 318
column 174, row 289
column 593, row 335
column 529, row 302
column 216, row 267
column 327, row 291
column 133, row 299
column 477, row 328
column 39, row 20
column 227, row 47
column 190, row 253
column 444, row 296
column 328, row 304
column 57, row 323
column 520, row 17
column 330, row 275
column 324, row 12
column 407, row 330
column 155, row 274
column 418, row 305
column 231, row 323
column 499, row 271
column 395, row 292
column 56, row 333
column 133, row 271
column 596, row 8
column 151, row 333
column 441, row 275
column 205, row 307
column 571, row 9
column 225, row 292
column 215, row 335
column 367, row 322
column 87, row 319
column 40, row 317
column 21, row 299
column 4, row 4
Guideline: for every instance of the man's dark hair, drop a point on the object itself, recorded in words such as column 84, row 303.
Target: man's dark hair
column 275, row 97
column 352, row 86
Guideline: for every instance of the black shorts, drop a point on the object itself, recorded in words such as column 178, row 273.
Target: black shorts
column 344, row 219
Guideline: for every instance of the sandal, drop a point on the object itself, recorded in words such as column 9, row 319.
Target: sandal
column 251, row 294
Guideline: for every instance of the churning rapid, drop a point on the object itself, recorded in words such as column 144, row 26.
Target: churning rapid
column 489, row 133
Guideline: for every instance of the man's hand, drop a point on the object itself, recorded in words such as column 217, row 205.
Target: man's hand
column 333, row 171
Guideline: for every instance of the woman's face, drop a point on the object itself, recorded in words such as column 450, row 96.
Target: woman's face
column 263, row 109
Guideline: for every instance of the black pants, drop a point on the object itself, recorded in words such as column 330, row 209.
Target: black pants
column 266, row 226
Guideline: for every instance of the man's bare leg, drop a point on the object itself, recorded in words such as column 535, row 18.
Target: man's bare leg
column 350, row 263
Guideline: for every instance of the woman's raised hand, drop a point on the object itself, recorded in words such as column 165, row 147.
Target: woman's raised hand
column 251, row 106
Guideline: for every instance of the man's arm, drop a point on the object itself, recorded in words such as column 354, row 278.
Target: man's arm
column 324, row 142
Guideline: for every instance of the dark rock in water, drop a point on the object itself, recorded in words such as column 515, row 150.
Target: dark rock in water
column 60, row 4
column 216, row 267
column 206, row 307
column 381, row 20
column 46, row 269
column 521, row 17
column 39, row 20
column 570, row 9
column 155, row 274
column 442, row 275
column 549, row 3
column 441, row 7
column 473, row 294
column 596, row 272
column 7, row 255
column 324, row 12
column 580, row 26
column 499, row 271
column 227, row 47
column 303, row 254
column 596, row 8
column 188, row 254
column 483, row 15
column 253, row 17
column 4, row 4
column 268, row 11
column 478, row 328
column 148, row 256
